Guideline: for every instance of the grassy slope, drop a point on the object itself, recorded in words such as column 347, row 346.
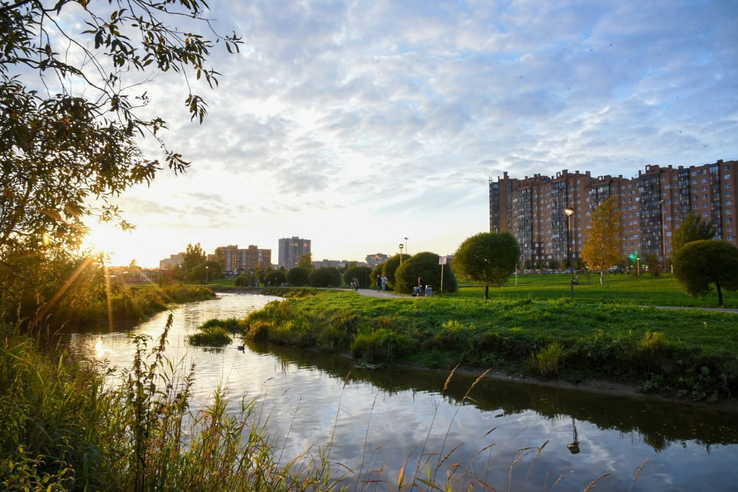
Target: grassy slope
column 693, row 351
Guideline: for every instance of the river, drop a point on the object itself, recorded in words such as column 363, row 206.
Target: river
column 375, row 419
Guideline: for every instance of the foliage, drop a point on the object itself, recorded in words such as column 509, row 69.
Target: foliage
column 606, row 341
column 603, row 247
column 193, row 257
column 72, row 122
column 488, row 258
column 275, row 277
column 700, row 264
column 244, row 280
column 424, row 265
column 298, row 276
column 360, row 273
column 306, row 261
column 693, row 228
column 207, row 271
column 389, row 268
column 325, row 277
column 655, row 267
column 214, row 336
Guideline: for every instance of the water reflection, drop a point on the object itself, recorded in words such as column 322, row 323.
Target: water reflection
column 374, row 420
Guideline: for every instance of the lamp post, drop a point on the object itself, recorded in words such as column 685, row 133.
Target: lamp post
column 663, row 233
column 406, row 246
column 206, row 274
column 638, row 266
column 401, row 246
column 569, row 212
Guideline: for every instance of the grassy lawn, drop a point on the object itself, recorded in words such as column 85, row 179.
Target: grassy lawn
column 687, row 352
column 617, row 289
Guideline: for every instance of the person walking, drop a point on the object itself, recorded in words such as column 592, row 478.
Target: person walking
column 384, row 283
column 379, row 283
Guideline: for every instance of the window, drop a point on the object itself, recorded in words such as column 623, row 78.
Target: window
column 704, row 188
column 704, row 214
column 727, row 193
column 694, row 181
column 704, row 180
column 729, row 212
column 728, row 203
column 727, row 185
column 727, row 176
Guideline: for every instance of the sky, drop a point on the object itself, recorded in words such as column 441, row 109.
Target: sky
column 357, row 124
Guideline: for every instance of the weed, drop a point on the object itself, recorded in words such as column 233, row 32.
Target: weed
column 548, row 360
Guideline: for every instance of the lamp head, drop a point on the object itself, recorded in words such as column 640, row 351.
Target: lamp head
column 569, row 211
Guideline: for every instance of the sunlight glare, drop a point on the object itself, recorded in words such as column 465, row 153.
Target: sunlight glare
column 99, row 349
column 107, row 239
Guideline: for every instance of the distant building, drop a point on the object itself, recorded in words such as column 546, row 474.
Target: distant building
column 290, row 251
column 376, row 259
column 330, row 264
column 242, row 260
column 654, row 203
column 172, row 262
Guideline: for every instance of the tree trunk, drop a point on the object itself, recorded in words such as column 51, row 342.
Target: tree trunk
column 486, row 291
column 720, row 294
column 602, row 276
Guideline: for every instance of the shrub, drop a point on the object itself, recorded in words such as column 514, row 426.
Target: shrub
column 382, row 346
column 424, row 265
column 360, row 273
column 548, row 359
column 210, row 337
column 275, row 277
column 325, row 277
column 298, row 276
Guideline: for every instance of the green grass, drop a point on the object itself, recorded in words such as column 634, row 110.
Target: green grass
column 602, row 340
column 620, row 289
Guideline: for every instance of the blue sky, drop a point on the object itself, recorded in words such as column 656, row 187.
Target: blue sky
column 356, row 124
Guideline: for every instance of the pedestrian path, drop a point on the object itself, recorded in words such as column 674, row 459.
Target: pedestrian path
column 377, row 293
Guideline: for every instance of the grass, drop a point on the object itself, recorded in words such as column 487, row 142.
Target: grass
column 686, row 352
column 618, row 289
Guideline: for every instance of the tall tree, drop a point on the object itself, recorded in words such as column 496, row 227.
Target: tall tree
column 72, row 112
column 193, row 257
column 603, row 248
column 488, row 258
column 306, row 261
column 693, row 228
column 700, row 264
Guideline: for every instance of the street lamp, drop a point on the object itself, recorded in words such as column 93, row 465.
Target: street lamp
column 663, row 233
column 206, row 274
column 406, row 245
column 569, row 212
column 638, row 266
column 401, row 246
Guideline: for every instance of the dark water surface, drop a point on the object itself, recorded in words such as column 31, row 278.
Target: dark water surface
column 374, row 420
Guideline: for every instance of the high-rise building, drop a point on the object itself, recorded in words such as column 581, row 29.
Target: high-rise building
column 376, row 259
column 291, row 250
column 245, row 260
column 653, row 204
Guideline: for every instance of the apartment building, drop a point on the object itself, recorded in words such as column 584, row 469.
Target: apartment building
column 243, row 260
column 290, row 251
column 653, row 203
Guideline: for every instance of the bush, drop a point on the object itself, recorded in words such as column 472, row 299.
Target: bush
column 325, row 277
column 389, row 268
column 210, row 337
column 360, row 273
column 275, row 277
column 548, row 359
column 244, row 280
column 424, row 265
column 298, row 277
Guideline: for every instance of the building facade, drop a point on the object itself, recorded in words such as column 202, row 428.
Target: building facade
column 653, row 204
column 376, row 259
column 238, row 260
column 291, row 250
column 172, row 262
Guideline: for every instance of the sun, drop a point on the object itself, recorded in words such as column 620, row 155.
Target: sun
column 106, row 239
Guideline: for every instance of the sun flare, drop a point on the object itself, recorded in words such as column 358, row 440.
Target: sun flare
column 108, row 240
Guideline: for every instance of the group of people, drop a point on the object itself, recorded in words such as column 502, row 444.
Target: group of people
column 381, row 283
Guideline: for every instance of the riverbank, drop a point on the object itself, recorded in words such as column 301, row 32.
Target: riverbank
column 690, row 354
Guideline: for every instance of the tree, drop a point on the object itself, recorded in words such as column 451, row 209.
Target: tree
column 306, row 261
column 220, row 257
column 603, row 248
column 389, row 268
column 72, row 111
column 325, row 277
column 654, row 265
column 205, row 272
column 699, row 264
column 194, row 256
column 693, row 228
column 487, row 258
column 424, row 265
column 298, row 276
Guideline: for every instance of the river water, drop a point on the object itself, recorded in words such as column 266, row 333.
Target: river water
column 374, row 420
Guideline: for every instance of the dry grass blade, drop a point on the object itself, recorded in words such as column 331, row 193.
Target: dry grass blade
column 449, row 454
column 593, row 485
column 448, row 379
column 540, row 450
column 637, row 474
